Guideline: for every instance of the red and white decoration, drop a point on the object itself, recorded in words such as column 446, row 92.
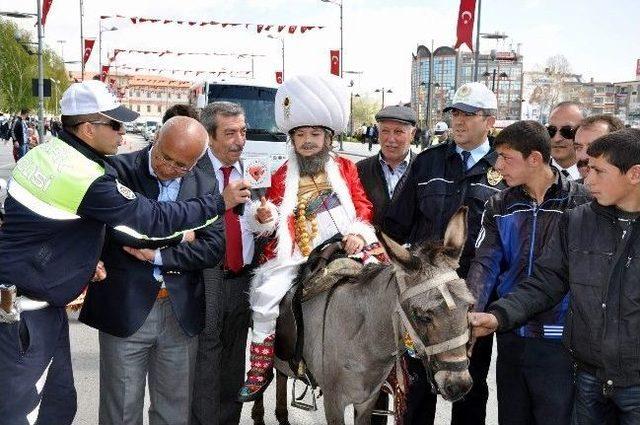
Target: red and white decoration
column 291, row 29
column 466, row 18
column 161, row 53
column 335, row 62
column 279, row 77
column 88, row 48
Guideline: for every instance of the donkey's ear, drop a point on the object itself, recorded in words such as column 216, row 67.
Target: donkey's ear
column 398, row 254
column 456, row 234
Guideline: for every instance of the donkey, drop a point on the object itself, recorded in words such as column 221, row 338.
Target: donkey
column 353, row 334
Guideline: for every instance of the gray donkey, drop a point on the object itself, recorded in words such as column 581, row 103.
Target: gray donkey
column 353, row 339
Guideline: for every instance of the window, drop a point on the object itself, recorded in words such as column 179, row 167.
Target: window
column 148, row 108
column 159, row 95
column 138, row 93
column 159, row 108
column 168, row 95
column 179, row 96
column 148, row 94
column 137, row 108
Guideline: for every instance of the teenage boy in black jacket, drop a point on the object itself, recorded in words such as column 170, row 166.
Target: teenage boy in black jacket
column 594, row 257
column 516, row 225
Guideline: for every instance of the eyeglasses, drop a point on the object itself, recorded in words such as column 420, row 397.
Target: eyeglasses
column 171, row 163
column 566, row 131
column 115, row 125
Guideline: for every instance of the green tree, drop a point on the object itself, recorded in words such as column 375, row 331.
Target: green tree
column 364, row 111
column 18, row 67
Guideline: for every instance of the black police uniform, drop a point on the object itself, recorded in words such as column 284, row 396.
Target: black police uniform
column 52, row 260
column 437, row 186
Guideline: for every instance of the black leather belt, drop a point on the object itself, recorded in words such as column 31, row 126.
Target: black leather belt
column 230, row 274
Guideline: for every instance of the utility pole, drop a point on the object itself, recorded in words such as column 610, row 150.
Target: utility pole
column 477, row 52
column 81, row 41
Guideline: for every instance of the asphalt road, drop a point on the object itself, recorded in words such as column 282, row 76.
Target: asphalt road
column 84, row 340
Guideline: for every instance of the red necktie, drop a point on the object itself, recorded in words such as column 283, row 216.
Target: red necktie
column 233, row 254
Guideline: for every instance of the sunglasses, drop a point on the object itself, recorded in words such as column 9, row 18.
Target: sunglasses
column 566, row 131
column 115, row 125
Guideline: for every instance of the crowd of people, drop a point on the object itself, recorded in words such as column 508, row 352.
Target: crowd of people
column 22, row 132
column 181, row 258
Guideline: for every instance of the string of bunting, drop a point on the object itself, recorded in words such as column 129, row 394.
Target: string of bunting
column 291, row 29
column 168, row 52
column 184, row 71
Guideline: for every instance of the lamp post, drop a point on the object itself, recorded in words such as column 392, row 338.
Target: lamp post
column 37, row 15
column 282, row 41
column 381, row 90
column 339, row 3
column 101, row 30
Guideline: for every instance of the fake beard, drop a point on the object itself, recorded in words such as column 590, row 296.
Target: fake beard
column 313, row 165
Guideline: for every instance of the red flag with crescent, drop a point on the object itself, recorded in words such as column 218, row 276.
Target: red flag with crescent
column 45, row 10
column 279, row 77
column 335, row 62
column 466, row 17
column 105, row 72
column 88, row 47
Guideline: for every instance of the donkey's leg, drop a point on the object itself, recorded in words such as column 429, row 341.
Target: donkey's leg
column 257, row 411
column 363, row 410
column 282, row 414
column 334, row 406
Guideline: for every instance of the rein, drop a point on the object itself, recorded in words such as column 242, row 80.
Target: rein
column 400, row 321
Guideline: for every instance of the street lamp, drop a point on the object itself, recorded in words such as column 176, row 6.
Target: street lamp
column 37, row 15
column 282, row 41
column 100, row 45
column 381, row 90
column 339, row 3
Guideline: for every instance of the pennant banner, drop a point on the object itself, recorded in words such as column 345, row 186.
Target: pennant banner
column 335, row 62
column 291, row 29
column 279, row 77
column 185, row 71
column 45, row 10
column 168, row 52
column 88, row 48
column 466, row 17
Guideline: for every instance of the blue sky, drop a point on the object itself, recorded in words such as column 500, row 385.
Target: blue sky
column 599, row 38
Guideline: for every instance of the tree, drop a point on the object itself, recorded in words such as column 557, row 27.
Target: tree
column 19, row 65
column 364, row 111
column 554, row 84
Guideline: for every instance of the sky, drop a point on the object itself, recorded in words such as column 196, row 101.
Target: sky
column 599, row 38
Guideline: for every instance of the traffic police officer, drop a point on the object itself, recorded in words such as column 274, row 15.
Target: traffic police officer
column 61, row 195
column 442, row 179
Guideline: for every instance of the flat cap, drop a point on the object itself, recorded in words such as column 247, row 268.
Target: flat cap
column 398, row 113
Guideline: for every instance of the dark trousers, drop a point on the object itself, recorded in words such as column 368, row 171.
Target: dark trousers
column 592, row 406
column 471, row 410
column 36, row 379
column 220, row 362
column 535, row 381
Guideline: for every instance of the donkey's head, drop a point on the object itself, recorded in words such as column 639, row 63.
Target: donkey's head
column 435, row 302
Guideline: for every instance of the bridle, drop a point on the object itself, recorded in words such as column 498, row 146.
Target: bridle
column 401, row 321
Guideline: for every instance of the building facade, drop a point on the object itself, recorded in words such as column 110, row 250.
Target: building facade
column 149, row 95
column 435, row 76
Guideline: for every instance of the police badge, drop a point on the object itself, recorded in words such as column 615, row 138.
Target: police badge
column 286, row 105
column 125, row 191
column 493, row 176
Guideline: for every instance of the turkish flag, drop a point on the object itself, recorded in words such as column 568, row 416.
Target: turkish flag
column 335, row 62
column 88, row 47
column 465, row 23
column 279, row 77
column 45, row 10
column 105, row 72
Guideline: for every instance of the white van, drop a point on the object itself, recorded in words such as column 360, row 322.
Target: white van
column 263, row 136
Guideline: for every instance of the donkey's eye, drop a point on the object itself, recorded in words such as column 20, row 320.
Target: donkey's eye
column 422, row 318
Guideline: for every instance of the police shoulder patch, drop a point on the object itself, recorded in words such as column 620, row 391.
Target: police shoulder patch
column 125, row 191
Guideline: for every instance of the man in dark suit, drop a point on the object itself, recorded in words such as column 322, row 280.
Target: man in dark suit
column 220, row 363
column 383, row 176
column 150, row 308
